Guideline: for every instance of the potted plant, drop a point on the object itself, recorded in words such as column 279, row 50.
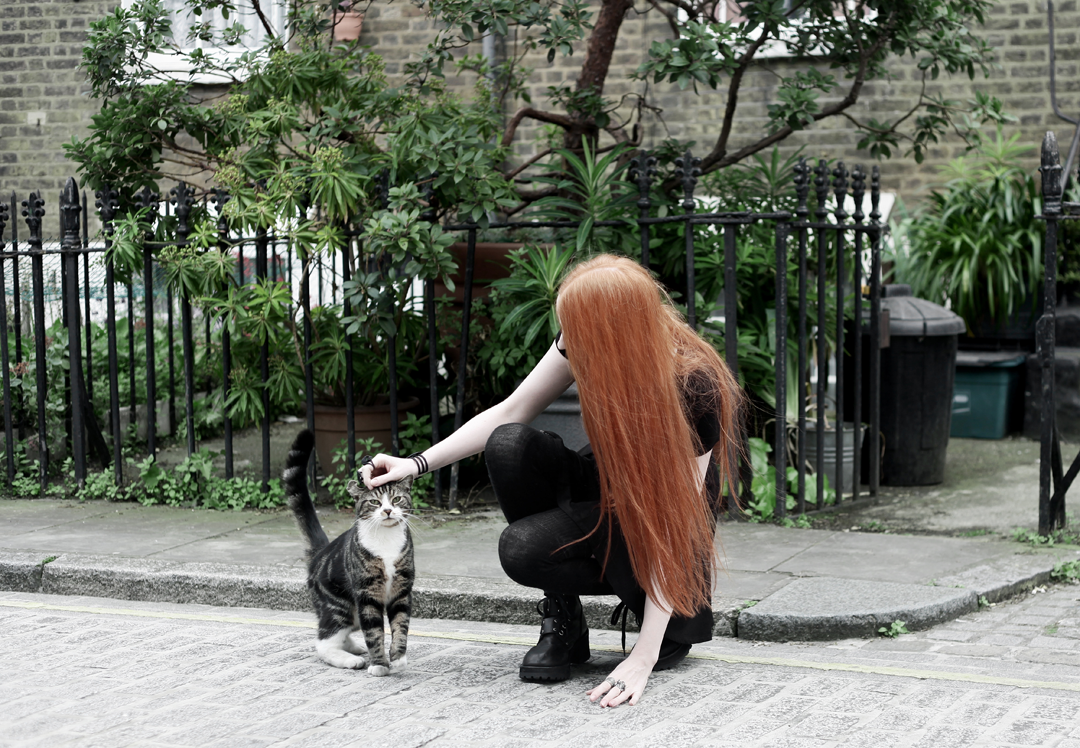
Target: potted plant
column 977, row 245
column 348, row 22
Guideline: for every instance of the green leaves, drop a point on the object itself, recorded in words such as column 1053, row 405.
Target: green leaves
column 798, row 97
column 977, row 245
column 703, row 54
column 599, row 193
column 534, row 285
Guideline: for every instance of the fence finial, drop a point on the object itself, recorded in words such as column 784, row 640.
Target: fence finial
column 70, row 207
column 1051, row 174
column 858, row 190
column 840, row 186
column 183, row 197
column 642, row 170
column 687, row 172
column 107, row 203
column 219, row 197
column 802, row 187
column 147, row 198
column 875, row 194
column 34, row 211
column 821, row 188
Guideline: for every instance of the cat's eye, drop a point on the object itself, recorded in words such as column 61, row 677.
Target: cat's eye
column 401, row 500
column 373, row 502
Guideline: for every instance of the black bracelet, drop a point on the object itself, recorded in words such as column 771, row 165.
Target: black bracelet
column 421, row 463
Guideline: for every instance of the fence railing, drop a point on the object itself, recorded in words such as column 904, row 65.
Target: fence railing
column 836, row 248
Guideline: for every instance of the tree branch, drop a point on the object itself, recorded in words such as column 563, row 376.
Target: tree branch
column 720, row 149
column 718, row 158
column 527, row 111
column 262, row 17
column 601, row 45
column 671, row 19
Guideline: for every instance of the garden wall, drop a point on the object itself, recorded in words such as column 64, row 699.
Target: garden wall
column 1016, row 29
column 43, row 96
column 41, row 44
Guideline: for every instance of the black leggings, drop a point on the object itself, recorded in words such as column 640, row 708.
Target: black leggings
column 529, row 469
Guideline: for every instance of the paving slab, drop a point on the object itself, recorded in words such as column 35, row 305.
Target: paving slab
column 822, row 608
column 893, row 558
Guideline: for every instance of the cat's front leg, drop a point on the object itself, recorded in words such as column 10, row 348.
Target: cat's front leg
column 371, row 623
column 399, row 613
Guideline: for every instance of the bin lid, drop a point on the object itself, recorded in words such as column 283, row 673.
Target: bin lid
column 911, row 316
column 984, row 359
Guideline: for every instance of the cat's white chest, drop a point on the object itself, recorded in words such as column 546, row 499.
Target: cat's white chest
column 386, row 543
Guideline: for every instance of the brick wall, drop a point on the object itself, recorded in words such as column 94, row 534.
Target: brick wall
column 1017, row 29
column 41, row 43
column 43, row 101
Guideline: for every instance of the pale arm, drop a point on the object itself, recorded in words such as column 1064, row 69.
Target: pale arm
column 638, row 665
column 545, row 382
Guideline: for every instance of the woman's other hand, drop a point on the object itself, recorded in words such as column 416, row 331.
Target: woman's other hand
column 385, row 469
column 633, row 672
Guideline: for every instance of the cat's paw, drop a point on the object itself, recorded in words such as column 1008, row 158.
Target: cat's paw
column 399, row 664
column 378, row 670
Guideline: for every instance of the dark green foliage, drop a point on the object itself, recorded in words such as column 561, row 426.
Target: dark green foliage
column 978, row 246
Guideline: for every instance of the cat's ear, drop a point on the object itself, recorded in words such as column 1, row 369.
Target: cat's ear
column 406, row 482
column 356, row 489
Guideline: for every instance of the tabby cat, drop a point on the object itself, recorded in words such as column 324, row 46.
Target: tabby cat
column 360, row 577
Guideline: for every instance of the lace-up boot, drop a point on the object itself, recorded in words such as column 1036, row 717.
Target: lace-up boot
column 564, row 640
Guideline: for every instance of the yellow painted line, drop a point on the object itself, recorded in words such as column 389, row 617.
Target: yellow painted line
column 528, row 642
column 157, row 614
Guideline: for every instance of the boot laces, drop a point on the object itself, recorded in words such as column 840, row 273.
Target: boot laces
column 620, row 609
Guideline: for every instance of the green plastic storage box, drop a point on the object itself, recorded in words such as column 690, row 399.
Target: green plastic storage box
column 986, row 391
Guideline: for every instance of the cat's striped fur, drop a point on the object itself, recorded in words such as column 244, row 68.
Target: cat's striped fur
column 365, row 574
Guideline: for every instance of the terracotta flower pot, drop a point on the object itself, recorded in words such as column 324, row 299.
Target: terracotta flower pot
column 347, row 25
column 371, row 421
column 491, row 261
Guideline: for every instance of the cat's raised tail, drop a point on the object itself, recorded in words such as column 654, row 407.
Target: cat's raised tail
column 296, row 491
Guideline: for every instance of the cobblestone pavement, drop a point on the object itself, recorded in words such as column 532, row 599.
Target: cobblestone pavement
column 111, row 673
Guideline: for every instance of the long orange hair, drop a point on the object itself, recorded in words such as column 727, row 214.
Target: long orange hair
column 632, row 355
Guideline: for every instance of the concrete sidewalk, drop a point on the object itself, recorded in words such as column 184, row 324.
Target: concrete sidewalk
column 778, row 583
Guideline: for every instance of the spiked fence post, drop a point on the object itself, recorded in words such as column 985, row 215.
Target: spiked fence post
column 9, row 441
column 182, row 198
column 70, row 246
column 33, row 211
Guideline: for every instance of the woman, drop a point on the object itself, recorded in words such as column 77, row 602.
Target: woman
column 632, row 514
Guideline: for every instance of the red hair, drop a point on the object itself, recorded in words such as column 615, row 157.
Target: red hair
column 632, row 355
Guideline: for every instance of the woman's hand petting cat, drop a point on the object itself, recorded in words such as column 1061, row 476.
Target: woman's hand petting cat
column 634, row 671
column 386, row 469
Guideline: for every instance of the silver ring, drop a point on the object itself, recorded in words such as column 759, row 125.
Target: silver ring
column 610, row 681
column 620, row 685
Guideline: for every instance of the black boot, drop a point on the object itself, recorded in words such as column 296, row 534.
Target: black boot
column 564, row 639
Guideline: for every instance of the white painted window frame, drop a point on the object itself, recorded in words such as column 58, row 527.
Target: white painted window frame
column 177, row 67
column 774, row 48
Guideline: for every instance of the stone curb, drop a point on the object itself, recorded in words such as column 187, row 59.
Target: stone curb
column 279, row 588
column 857, row 609
column 824, row 608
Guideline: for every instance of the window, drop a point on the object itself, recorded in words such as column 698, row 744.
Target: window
column 244, row 14
column 731, row 12
column 184, row 23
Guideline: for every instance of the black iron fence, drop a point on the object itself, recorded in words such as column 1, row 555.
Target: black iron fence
column 835, row 248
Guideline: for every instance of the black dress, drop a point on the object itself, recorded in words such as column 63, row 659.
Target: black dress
column 581, row 501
